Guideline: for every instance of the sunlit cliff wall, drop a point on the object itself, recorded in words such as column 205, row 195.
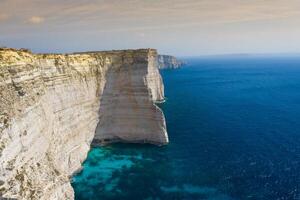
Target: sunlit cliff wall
column 51, row 104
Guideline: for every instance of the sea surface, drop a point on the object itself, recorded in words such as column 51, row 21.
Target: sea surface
column 234, row 129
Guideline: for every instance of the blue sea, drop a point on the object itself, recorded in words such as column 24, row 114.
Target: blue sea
column 234, row 129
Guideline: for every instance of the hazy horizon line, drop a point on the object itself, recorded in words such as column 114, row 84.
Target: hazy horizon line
column 164, row 53
column 241, row 54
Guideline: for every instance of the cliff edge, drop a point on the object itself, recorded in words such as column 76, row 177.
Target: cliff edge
column 169, row 62
column 51, row 104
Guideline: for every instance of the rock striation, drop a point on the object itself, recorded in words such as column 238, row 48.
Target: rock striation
column 52, row 104
column 127, row 113
column 169, row 62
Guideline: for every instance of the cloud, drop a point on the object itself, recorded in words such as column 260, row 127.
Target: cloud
column 141, row 34
column 3, row 17
column 114, row 14
column 36, row 20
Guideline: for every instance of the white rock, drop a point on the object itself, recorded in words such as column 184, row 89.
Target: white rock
column 51, row 104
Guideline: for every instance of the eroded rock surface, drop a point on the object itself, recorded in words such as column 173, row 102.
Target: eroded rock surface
column 50, row 105
column 127, row 113
column 169, row 62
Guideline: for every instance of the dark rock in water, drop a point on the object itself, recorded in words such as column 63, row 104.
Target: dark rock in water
column 169, row 62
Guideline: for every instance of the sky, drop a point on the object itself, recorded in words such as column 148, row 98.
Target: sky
column 176, row 27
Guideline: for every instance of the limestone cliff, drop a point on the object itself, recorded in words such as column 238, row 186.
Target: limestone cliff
column 51, row 104
column 169, row 62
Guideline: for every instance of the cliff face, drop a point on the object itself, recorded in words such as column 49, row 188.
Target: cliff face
column 169, row 62
column 50, row 106
column 127, row 113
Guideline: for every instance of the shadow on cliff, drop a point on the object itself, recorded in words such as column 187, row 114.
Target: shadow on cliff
column 127, row 113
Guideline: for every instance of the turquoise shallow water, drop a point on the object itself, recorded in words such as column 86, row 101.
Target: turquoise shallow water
column 234, row 131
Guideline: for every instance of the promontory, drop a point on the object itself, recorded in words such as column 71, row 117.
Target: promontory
column 53, row 107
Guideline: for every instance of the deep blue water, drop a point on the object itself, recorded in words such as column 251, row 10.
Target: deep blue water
column 234, row 128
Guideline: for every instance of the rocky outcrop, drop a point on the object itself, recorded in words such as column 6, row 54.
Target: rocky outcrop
column 127, row 113
column 51, row 104
column 169, row 62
